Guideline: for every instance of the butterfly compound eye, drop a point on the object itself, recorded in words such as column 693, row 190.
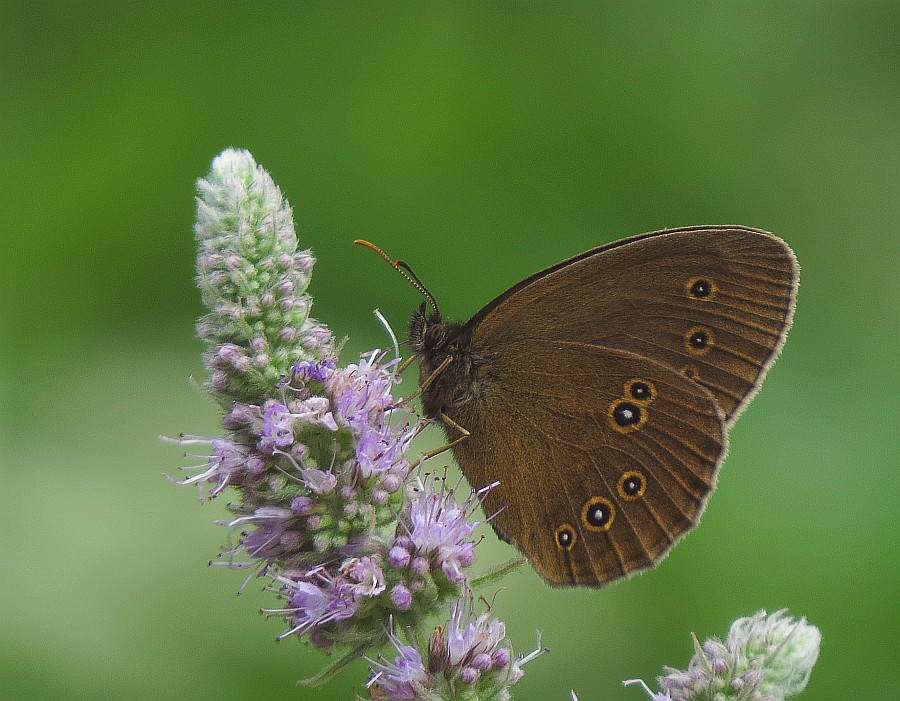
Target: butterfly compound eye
column 434, row 334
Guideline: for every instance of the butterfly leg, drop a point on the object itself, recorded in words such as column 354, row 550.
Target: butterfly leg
column 426, row 384
column 450, row 423
column 401, row 368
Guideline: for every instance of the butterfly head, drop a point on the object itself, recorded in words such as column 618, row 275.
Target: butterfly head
column 428, row 334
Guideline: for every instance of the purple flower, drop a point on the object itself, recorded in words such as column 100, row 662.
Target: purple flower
column 316, row 337
column 315, row 602
column 439, row 530
column 318, row 481
column 404, row 679
column 365, row 577
column 379, row 450
column 467, row 638
column 239, row 418
column 419, row 566
column 316, row 372
column 301, row 505
column 229, row 464
column 362, row 391
column 314, row 411
column 380, row 496
column 277, row 429
column 279, row 535
column 398, row 556
column 500, row 657
column 472, row 649
column 401, row 597
column 318, row 599
column 468, row 675
column 482, row 661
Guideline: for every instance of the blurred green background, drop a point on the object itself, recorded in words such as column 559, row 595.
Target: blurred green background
column 480, row 142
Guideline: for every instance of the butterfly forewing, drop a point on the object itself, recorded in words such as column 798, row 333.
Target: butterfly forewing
column 604, row 457
column 712, row 303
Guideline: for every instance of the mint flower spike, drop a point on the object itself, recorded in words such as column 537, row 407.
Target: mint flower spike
column 253, row 280
column 327, row 505
column 764, row 658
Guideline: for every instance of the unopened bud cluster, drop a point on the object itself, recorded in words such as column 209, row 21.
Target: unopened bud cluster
column 253, row 281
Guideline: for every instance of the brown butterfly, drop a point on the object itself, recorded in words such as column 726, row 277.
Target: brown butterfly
column 599, row 392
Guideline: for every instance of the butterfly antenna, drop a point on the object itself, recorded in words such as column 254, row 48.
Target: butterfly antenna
column 405, row 271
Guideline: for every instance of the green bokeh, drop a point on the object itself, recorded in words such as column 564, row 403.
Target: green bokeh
column 480, row 142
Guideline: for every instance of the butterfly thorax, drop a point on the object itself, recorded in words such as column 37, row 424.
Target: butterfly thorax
column 434, row 341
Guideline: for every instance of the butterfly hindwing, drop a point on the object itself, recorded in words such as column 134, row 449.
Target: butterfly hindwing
column 604, row 457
